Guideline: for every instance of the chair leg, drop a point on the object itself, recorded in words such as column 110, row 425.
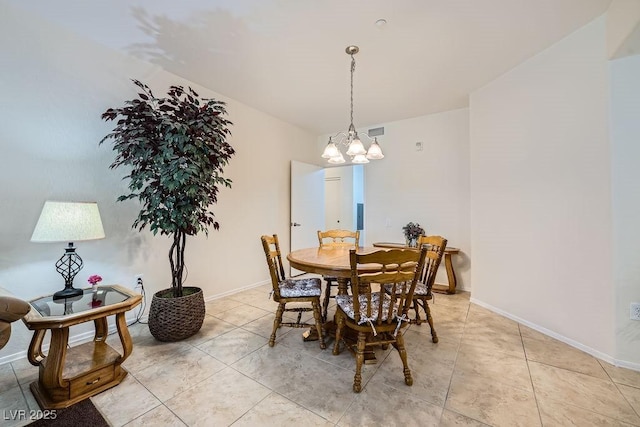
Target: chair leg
column 408, row 379
column 357, row 379
column 434, row 335
column 276, row 324
column 339, row 326
column 416, row 308
column 325, row 301
column 318, row 318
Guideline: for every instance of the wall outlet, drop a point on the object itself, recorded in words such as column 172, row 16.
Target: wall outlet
column 138, row 278
column 634, row 311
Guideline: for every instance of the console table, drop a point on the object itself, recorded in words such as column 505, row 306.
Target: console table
column 69, row 375
column 449, row 288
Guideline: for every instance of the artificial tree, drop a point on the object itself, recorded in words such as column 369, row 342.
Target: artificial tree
column 175, row 148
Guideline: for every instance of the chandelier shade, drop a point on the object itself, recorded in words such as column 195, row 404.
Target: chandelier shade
column 375, row 152
column 330, row 150
column 350, row 140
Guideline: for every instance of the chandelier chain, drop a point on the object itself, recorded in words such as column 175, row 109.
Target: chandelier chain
column 353, row 68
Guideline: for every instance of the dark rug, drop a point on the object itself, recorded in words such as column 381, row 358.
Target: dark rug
column 83, row 413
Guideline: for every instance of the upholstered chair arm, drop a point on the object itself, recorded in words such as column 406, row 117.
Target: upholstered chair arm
column 11, row 309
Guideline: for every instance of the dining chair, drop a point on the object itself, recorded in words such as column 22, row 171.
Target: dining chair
column 287, row 290
column 422, row 294
column 378, row 317
column 335, row 238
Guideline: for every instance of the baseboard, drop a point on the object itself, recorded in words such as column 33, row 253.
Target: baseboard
column 629, row 365
column 238, row 290
column 595, row 353
column 13, row 357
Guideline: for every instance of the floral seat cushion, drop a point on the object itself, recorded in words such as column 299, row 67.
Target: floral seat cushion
column 421, row 289
column 291, row 288
column 346, row 304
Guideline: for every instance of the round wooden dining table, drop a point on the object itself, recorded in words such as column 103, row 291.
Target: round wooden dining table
column 327, row 261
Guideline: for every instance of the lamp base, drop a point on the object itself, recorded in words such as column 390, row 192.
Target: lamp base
column 68, row 292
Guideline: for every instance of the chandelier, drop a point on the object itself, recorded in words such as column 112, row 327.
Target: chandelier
column 350, row 140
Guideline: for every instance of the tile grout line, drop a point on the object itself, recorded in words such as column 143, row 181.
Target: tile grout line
column 533, row 387
column 453, row 371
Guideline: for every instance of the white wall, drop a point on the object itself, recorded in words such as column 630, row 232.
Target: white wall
column 541, row 221
column 430, row 187
column 54, row 88
column 625, row 129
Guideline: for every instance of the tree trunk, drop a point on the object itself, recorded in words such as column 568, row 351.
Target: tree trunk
column 176, row 259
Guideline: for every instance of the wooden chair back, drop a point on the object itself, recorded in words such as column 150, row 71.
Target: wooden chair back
column 435, row 250
column 398, row 268
column 271, row 248
column 341, row 238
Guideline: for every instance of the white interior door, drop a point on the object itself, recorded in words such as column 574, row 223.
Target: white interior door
column 333, row 203
column 307, row 206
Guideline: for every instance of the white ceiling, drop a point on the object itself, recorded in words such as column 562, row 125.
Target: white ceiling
column 287, row 58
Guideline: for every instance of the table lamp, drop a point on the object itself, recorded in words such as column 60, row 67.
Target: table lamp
column 68, row 222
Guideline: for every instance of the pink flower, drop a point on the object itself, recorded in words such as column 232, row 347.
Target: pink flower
column 94, row 279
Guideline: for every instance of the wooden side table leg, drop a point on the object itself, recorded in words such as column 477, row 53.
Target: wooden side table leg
column 35, row 354
column 451, row 275
column 51, row 375
column 102, row 329
column 125, row 337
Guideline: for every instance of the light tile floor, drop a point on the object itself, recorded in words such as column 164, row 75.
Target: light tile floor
column 486, row 370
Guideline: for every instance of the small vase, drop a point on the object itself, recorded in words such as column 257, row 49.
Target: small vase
column 412, row 243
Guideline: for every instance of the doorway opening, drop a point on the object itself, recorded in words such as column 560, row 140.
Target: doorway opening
column 344, row 199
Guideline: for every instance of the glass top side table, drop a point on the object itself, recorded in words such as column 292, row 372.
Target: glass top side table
column 104, row 296
column 69, row 375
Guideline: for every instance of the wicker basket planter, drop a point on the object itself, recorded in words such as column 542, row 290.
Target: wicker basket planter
column 174, row 319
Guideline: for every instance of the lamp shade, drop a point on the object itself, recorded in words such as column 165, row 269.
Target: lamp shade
column 68, row 222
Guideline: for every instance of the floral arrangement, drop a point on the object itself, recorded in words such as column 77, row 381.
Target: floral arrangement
column 412, row 231
column 94, row 280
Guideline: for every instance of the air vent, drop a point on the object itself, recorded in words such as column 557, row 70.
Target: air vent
column 376, row 131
